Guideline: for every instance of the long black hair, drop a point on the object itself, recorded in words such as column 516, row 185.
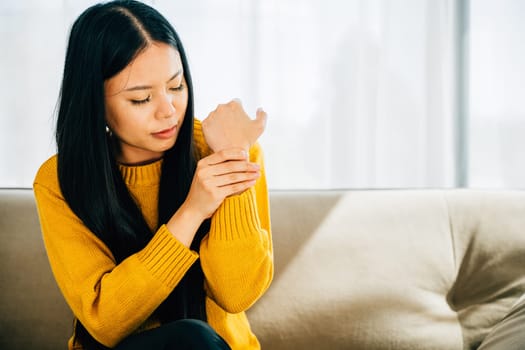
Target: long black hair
column 103, row 41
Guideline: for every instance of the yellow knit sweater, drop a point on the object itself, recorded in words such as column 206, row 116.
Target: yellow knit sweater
column 113, row 301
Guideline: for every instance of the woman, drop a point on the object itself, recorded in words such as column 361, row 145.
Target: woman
column 156, row 227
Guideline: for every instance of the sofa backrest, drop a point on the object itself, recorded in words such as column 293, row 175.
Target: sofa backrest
column 397, row 269
column 33, row 314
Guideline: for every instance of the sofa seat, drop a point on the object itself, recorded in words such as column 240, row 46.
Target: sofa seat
column 370, row 269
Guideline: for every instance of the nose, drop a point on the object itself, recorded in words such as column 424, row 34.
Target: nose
column 165, row 108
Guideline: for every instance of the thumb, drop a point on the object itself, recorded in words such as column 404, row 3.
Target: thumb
column 261, row 116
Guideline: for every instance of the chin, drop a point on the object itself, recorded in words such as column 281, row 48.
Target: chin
column 168, row 145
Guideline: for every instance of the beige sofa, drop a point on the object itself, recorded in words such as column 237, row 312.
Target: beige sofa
column 395, row 269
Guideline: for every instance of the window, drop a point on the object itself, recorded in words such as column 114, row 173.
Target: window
column 497, row 94
column 360, row 93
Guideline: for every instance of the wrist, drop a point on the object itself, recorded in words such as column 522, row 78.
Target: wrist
column 190, row 213
column 246, row 146
column 184, row 224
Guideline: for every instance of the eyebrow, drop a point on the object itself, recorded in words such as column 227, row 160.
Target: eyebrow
column 147, row 87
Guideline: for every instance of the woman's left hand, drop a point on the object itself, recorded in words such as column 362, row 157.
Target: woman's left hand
column 228, row 126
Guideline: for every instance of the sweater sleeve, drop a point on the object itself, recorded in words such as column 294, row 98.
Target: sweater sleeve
column 237, row 255
column 110, row 300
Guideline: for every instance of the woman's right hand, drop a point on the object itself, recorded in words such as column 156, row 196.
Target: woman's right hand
column 220, row 175
column 229, row 126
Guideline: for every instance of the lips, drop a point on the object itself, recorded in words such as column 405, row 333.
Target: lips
column 166, row 133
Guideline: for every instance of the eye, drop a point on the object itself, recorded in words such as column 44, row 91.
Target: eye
column 178, row 88
column 139, row 102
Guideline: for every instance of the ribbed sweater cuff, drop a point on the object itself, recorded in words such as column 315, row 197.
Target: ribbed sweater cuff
column 166, row 257
column 236, row 218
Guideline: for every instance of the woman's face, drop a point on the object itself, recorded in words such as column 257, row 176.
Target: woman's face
column 145, row 104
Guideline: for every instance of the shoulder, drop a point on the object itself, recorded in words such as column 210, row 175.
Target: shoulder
column 47, row 175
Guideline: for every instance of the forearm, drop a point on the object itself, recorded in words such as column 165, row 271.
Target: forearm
column 237, row 257
column 184, row 224
column 110, row 300
column 116, row 304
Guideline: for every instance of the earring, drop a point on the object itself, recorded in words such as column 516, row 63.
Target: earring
column 108, row 131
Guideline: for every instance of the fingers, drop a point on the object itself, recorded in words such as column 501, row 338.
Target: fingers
column 237, row 188
column 236, row 100
column 227, row 173
column 229, row 126
column 214, row 189
column 261, row 115
column 233, row 104
column 260, row 119
column 224, row 155
column 233, row 166
column 235, row 178
column 230, row 174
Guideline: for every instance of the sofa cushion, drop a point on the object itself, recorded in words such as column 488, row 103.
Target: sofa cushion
column 391, row 269
column 508, row 334
column 367, row 270
column 488, row 231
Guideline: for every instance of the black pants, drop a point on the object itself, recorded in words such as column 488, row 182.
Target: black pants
column 178, row 335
